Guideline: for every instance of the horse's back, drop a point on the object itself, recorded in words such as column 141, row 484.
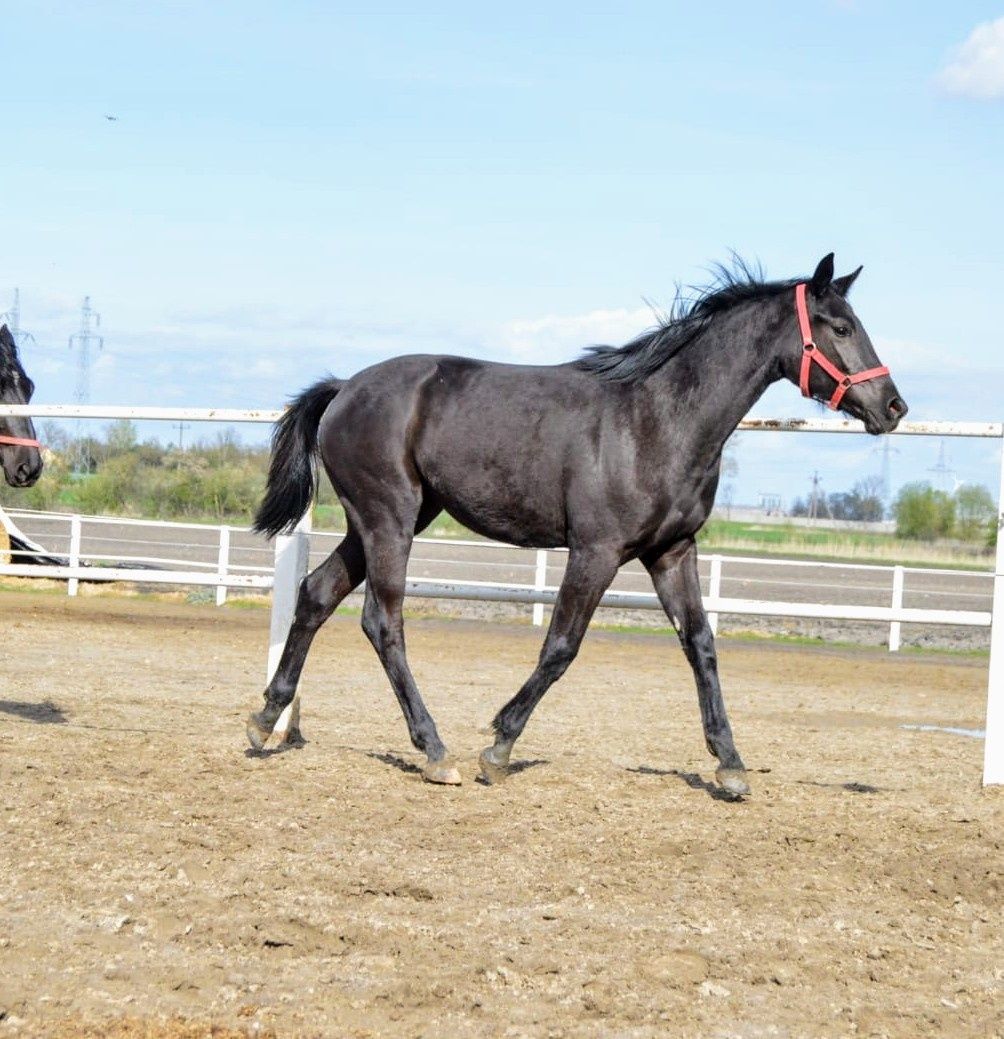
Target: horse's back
column 492, row 441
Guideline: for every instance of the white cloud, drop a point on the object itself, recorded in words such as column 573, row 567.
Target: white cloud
column 976, row 68
column 46, row 366
column 555, row 337
column 943, row 375
column 905, row 356
column 104, row 364
column 252, row 368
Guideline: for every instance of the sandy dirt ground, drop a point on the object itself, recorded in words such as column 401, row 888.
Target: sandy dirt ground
column 156, row 881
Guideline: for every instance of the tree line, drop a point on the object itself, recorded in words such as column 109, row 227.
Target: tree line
column 921, row 512
column 218, row 478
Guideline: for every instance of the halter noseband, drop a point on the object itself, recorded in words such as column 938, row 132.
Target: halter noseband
column 20, row 441
column 811, row 353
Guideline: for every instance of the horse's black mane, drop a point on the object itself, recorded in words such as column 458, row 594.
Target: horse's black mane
column 692, row 311
column 8, row 354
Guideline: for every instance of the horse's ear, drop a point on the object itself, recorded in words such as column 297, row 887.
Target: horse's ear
column 820, row 281
column 6, row 338
column 841, row 286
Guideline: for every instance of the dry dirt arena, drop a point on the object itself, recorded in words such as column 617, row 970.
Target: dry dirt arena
column 156, row 881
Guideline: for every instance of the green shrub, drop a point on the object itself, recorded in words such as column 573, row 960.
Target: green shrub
column 923, row 513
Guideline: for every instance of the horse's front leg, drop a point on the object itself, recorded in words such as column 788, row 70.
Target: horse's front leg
column 587, row 576
column 674, row 574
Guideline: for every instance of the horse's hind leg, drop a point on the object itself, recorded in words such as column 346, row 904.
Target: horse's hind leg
column 387, row 547
column 320, row 592
column 674, row 574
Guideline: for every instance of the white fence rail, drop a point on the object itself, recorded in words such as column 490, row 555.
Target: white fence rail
column 111, row 548
column 292, row 554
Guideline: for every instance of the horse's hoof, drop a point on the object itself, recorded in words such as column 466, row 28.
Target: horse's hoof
column 292, row 739
column 733, row 781
column 257, row 734
column 441, row 772
column 492, row 769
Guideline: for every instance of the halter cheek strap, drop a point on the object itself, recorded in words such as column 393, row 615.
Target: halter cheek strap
column 20, row 441
column 812, row 354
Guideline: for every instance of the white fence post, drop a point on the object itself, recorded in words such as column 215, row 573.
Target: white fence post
column 223, row 562
column 715, row 590
column 292, row 553
column 897, row 603
column 75, row 531
column 993, row 749
column 539, row 583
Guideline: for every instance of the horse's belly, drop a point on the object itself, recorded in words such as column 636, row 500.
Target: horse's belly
column 515, row 528
column 500, row 502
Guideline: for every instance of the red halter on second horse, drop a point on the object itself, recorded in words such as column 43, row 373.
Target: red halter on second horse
column 811, row 352
column 20, row 441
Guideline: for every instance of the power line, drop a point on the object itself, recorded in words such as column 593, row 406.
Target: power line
column 944, row 473
column 12, row 319
column 887, row 451
column 817, row 500
column 82, row 340
column 181, row 427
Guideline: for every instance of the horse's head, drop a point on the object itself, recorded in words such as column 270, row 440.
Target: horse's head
column 19, row 450
column 836, row 362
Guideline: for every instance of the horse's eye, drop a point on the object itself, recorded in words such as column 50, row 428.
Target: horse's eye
column 842, row 330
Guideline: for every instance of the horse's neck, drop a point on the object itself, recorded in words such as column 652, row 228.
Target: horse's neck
column 708, row 388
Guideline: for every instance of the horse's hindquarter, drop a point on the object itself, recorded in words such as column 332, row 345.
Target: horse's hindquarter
column 483, row 438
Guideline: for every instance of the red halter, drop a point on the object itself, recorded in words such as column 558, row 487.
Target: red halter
column 19, row 441
column 811, row 353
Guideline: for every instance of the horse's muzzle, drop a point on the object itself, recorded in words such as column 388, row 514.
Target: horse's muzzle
column 24, row 474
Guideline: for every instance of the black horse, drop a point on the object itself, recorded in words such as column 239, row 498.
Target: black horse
column 19, row 450
column 615, row 455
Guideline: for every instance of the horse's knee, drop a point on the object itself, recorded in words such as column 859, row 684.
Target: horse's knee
column 557, row 656
column 371, row 626
column 384, row 633
column 309, row 604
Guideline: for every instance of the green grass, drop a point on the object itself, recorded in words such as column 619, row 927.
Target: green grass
column 260, row 602
column 837, row 546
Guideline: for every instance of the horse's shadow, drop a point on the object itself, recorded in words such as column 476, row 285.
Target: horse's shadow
column 853, row 787
column 514, row 768
column 409, row 767
column 395, row 761
column 692, row 779
column 270, row 752
column 44, row 713
column 695, row 782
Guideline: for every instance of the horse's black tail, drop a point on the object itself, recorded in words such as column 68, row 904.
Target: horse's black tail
column 292, row 471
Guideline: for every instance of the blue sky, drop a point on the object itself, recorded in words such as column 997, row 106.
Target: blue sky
column 295, row 188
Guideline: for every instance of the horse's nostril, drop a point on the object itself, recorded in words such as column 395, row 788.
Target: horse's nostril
column 26, row 471
column 896, row 408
